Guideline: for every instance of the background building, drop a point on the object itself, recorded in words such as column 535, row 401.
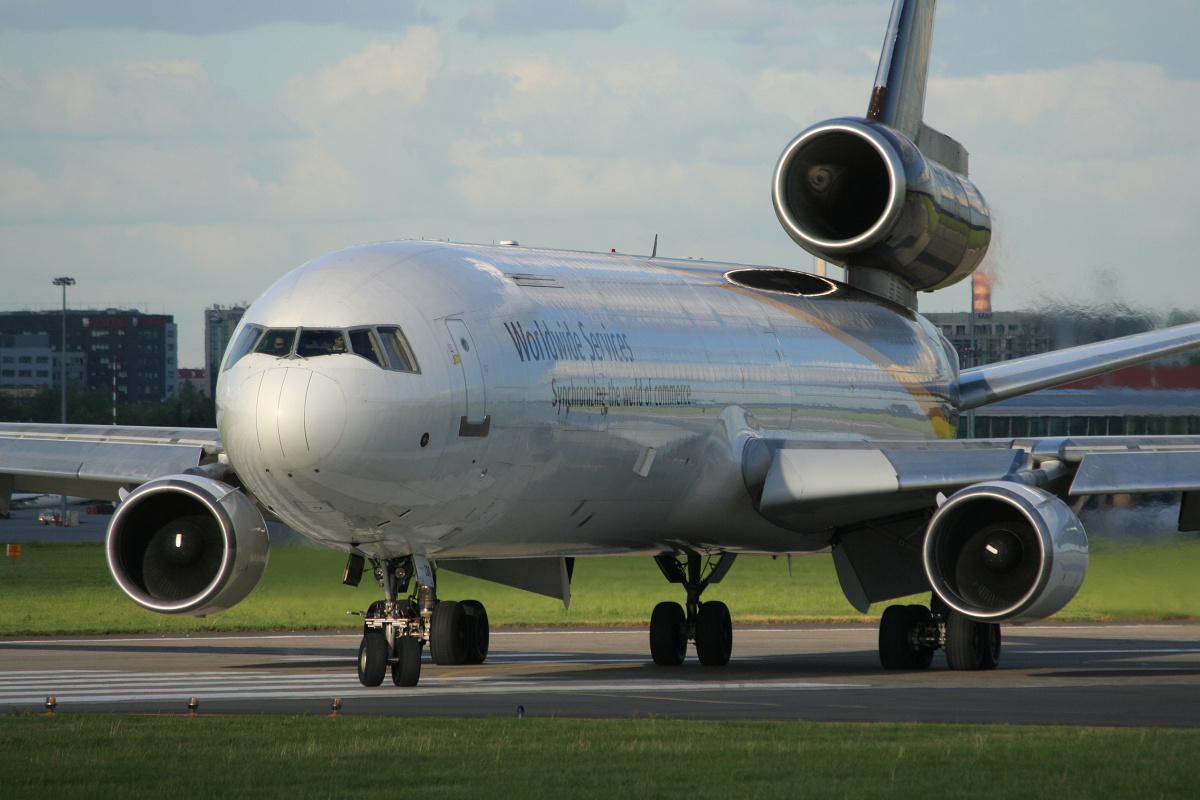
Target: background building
column 195, row 378
column 28, row 361
column 219, row 323
column 141, row 348
column 988, row 336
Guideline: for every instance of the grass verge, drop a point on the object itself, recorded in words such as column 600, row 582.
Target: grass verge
column 89, row 756
column 66, row 588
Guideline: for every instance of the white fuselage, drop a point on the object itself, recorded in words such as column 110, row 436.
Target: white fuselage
column 565, row 403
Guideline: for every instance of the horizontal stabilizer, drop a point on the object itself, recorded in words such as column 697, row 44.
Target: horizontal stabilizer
column 982, row 386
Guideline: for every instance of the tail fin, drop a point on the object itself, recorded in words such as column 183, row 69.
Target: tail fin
column 898, row 99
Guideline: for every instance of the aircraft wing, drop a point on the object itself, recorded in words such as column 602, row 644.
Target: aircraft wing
column 813, row 485
column 875, row 499
column 96, row 460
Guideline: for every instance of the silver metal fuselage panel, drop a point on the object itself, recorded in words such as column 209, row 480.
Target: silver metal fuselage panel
column 566, row 403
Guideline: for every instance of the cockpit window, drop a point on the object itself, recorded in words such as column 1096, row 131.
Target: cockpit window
column 242, row 345
column 319, row 342
column 400, row 355
column 364, row 342
column 383, row 346
column 277, row 342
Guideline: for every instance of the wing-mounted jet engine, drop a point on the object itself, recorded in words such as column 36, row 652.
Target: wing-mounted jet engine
column 1004, row 552
column 886, row 196
column 187, row 544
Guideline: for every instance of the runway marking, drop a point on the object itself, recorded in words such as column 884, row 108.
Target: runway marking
column 101, row 687
column 1130, row 651
column 689, row 700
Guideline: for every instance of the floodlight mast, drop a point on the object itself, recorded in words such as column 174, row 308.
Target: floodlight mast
column 64, row 283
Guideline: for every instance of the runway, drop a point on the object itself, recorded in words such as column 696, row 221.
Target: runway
column 1076, row 674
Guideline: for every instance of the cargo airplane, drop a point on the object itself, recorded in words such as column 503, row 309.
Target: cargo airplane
column 499, row 412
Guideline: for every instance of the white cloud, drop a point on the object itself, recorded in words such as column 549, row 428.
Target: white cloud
column 403, row 70
column 166, row 98
column 528, row 17
column 1114, row 109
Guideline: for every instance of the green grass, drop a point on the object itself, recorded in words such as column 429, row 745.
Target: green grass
column 86, row 756
column 66, row 588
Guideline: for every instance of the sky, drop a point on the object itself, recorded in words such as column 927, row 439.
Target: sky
column 173, row 155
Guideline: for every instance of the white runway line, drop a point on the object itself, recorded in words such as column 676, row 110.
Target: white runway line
column 86, row 687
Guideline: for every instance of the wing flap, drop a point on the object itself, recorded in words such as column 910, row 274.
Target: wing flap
column 1135, row 471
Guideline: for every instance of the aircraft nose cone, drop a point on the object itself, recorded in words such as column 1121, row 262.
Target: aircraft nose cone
column 301, row 416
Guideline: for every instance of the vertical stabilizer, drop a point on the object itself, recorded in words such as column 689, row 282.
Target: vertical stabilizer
column 898, row 99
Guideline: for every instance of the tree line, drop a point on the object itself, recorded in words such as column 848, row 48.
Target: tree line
column 188, row 409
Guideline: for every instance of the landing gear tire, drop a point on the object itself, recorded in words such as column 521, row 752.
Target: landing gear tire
column 668, row 634
column 406, row 669
column 898, row 646
column 372, row 659
column 921, row 657
column 894, row 630
column 478, row 632
column 448, row 634
column 714, row 634
column 970, row 644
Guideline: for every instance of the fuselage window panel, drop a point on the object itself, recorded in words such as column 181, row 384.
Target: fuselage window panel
column 320, row 342
column 242, row 345
column 277, row 342
column 400, row 355
column 364, row 342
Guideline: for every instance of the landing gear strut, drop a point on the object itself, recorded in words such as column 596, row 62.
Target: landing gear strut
column 706, row 624
column 395, row 630
column 909, row 635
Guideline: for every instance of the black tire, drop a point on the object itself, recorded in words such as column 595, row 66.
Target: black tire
column 920, row 657
column 991, row 646
column 971, row 645
column 714, row 634
column 894, row 629
column 406, row 669
column 448, row 634
column 478, row 632
column 668, row 634
column 372, row 659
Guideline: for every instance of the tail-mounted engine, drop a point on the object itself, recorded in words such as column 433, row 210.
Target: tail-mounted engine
column 1000, row 551
column 861, row 194
column 187, row 544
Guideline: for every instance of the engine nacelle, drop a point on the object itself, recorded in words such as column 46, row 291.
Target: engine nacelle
column 186, row 544
column 861, row 194
column 1000, row 551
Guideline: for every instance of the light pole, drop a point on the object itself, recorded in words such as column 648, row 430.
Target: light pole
column 64, row 283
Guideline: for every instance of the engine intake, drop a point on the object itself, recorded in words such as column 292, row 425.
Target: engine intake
column 187, row 544
column 1000, row 551
column 862, row 194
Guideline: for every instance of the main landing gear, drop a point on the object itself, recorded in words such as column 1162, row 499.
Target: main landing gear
column 706, row 624
column 909, row 635
column 396, row 630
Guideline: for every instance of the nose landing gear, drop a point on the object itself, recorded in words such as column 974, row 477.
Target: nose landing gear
column 708, row 625
column 395, row 631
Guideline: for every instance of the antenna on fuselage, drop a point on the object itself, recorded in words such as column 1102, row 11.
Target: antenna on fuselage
column 654, row 250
